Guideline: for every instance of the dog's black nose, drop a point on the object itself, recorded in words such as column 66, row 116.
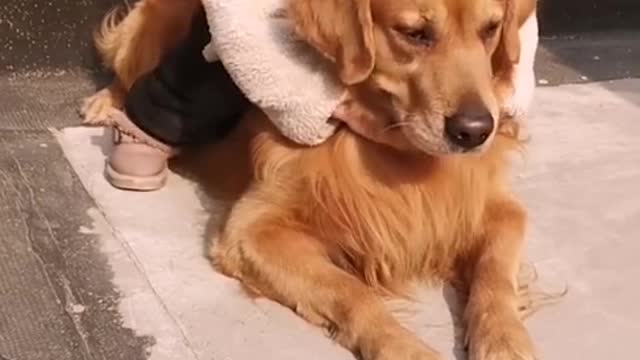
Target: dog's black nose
column 469, row 129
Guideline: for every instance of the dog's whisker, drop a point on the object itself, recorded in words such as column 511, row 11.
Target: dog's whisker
column 397, row 125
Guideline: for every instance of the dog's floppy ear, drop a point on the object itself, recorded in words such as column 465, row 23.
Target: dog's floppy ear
column 342, row 30
column 508, row 51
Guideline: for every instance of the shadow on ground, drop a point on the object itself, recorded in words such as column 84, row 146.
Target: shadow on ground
column 591, row 57
column 590, row 40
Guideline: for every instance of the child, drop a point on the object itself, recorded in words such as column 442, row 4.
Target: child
column 187, row 101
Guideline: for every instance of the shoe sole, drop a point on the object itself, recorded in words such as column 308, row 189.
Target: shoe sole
column 136, row 183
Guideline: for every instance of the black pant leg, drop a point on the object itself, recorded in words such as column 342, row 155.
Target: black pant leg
column 186, row 101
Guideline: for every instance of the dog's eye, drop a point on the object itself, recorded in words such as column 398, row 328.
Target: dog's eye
column 421, row 37
column 490, row 30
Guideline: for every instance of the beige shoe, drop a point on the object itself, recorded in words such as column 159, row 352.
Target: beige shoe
column 134, row 165
column 137, row 161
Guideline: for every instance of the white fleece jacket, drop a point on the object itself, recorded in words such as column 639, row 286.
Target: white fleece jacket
column 276, row 71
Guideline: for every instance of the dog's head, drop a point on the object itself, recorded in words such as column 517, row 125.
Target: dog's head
column 435, row 65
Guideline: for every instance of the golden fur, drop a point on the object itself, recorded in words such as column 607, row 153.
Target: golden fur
column 133, row 45
column 327, row 230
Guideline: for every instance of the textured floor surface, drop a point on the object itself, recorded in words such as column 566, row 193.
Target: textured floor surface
column 88, row 272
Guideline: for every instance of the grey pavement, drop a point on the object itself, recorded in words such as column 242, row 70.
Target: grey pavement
column 89, row 272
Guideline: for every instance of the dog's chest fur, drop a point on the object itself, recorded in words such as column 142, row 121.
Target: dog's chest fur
column 390, row 219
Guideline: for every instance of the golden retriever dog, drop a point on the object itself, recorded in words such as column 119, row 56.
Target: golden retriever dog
column 329, row 231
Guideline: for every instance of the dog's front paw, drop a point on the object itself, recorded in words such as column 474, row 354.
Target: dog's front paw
column 505, row 342
column 402, row 345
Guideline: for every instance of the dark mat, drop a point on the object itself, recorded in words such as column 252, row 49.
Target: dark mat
column 40, row 34
column 577, row 16
column 54, row 34
column 57, row 301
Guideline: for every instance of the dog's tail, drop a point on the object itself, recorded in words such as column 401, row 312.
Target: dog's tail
column 132, row 41
column 107, row 37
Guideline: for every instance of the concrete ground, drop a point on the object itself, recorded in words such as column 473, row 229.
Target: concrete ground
column 89, row 272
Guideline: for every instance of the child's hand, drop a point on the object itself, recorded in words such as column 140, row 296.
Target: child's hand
column 374, row 127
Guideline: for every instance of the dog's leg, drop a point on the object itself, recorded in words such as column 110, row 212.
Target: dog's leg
column 294, row 269
column 494, row 327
